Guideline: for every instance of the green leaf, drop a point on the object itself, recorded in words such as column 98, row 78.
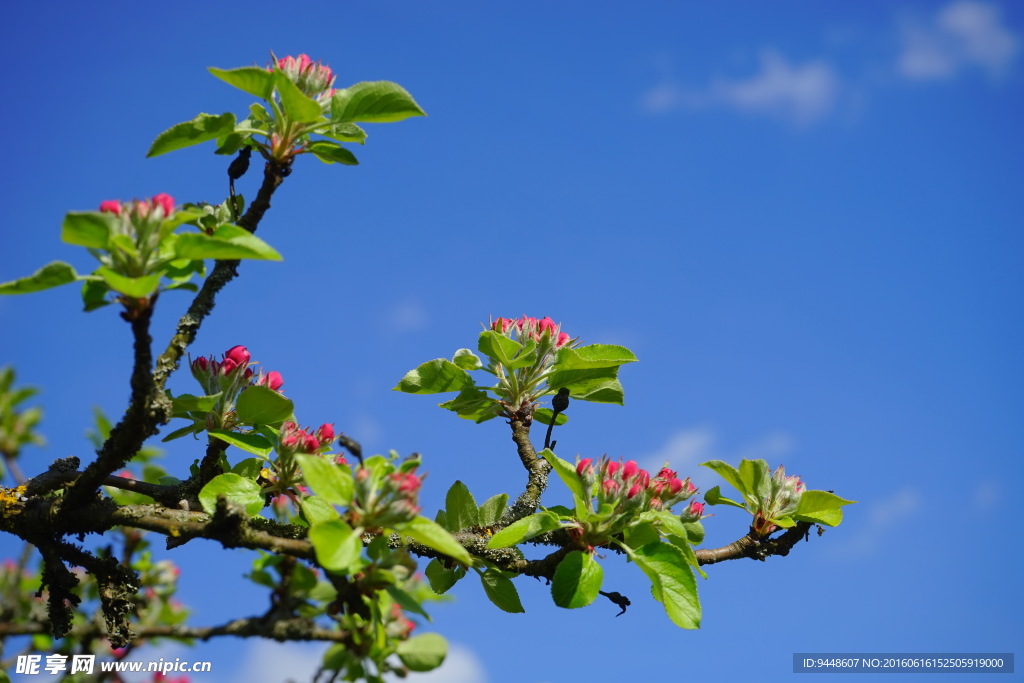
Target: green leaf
column 226, row 243
column 641, row 533
column 727, row 472
column 184, row 431
column 756, row 478
column 577, row 580
column 88, row 228
column 714, row 497
column 373, row 102
column 332, row 152
column 442, row 579
column 235, row 488
column 433, row 535
column 599, row 385
column 338, row 547
column 593, row 356
column 134, row 287
column 250, row 79
column 672, row 582
column 460, row 508
column 187, row 403
column 498, row 347
column 434, row 377
column 543, row 415
column 467, row 360
column 249, row 442
column 406, row 601
column 524, row 529
column 262, row 405
column 501, row 591
column 249, row 467
column 492, row 510
column 567, row 473
column 821, row 507
column 200, row 129
column 473, row 404
column 424, row 652
column 316, row 510
column 94, row 294
column 51, row 275
column 345, row 132
column 298, row 107
column 330, row 481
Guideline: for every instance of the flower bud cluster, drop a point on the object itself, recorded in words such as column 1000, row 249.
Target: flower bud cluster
column 313, row 78
column 396, row 624
column 294, row 439
column 229, row 376
column 783, row 500
column 160, row 206
column 385, row 501
column 629, row 488
column 526, row 328
column 142, row 223
column 786, row 491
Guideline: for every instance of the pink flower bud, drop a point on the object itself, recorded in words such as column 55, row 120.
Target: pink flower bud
column 583, row 466
column 563, row 339
column 666, row 473
column 610, row 486
column 239, row 354
column 547, row 325
column 693, row 512
column 311, row 444
column 111, row 206
column 200, row 365
column 629, row 470
column 228, row 366
column 165, row 202
column 288, row 426
column 407, row 482
column 643, row 478
column 290, row 441
column 634, row 491
column 271, row 380
column 326, row 432
column 501, row 325
column 611, row 468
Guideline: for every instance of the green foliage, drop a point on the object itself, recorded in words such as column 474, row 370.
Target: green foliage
column 236, row 489
column 577, row 580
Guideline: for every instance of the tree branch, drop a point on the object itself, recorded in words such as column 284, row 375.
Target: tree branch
column 537, row 469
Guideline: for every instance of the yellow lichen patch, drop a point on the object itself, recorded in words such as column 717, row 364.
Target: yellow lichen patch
column 9, row 497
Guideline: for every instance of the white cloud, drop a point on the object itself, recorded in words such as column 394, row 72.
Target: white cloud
column 880, row 516
column 961, row 35
column 270, row 661
column 407, row 316
column 798, row 93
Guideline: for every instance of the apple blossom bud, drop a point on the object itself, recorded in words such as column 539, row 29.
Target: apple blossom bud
column 563, row 339
column 634, row 491
column 111, row 206
column 629, row 470
column 611, row 467
column 310, row 443
column 326, row 432
column 228, row 366
column 165, row 202
column 693, row 512
column 610, row 486
column 271, row 380
column 547, row 325
column 583, row 465
column 239, row 354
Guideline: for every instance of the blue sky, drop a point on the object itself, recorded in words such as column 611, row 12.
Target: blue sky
column 804, row 219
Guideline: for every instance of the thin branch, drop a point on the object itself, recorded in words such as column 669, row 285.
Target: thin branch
column 537, row 470
column 295, row 628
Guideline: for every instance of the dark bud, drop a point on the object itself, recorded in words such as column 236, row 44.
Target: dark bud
column 561, row 400
column 240, row 165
